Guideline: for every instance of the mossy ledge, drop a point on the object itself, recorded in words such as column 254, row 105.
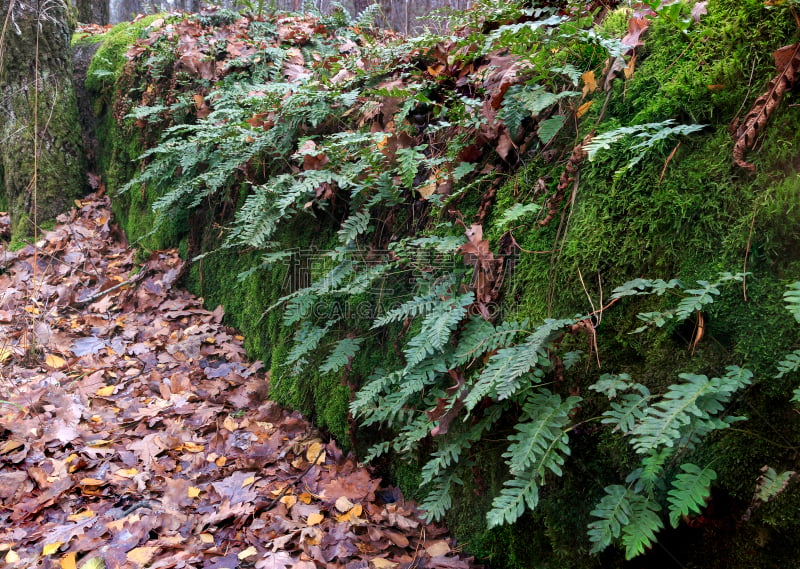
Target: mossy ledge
column 684, row 212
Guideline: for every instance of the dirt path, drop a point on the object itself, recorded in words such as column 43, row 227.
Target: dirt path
column 133, row 432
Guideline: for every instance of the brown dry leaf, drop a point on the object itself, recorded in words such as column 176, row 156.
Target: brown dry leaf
column 382, row 563
column 105, row 391
column 315, row 452
column 11, row 557
column 206, row 538
column 437, row 548
column 343, row 504
column 628, row 71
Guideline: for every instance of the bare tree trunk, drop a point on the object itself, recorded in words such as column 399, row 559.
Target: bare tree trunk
column 41, row 158
column 92, row 11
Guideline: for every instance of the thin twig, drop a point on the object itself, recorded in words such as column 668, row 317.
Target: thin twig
column 747, row 253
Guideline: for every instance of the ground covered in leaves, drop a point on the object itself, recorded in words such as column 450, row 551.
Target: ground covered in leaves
column 133, row 432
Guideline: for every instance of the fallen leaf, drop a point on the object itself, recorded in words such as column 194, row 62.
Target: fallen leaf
column 51, row 548
column 193, row 491
column 84, row 515
column 589, row 83
column 249, row 552
column 342, row 504
column 68, row 561
column 141, row 556
column 55, row 361
column 382, row 563
column 94, row 563
column 314, row 519
column 583, row 109
column 11, row 557
column 206, row 538
column 105, row 391
column 438, row 548
column 315, row 452
column 192, row 447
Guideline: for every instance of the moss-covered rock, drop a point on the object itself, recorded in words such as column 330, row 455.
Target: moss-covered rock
column 684, row 211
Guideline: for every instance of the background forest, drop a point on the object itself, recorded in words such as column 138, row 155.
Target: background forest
column 539, row 267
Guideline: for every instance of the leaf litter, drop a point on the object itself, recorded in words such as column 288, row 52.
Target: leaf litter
column 134, row 433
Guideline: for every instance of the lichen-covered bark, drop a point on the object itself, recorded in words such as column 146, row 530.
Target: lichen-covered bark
column 41, row 156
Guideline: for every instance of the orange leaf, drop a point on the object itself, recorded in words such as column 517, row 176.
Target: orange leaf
column 589, row 83
column 583, row 109
column 68, row 561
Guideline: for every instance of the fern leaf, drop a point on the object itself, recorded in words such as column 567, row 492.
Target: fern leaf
column 408, row 161
column 515, row 212
column 354, row 226
column 792, row 299
column 611, row 383
column 502, row 374
column 342, row 354
column 444, row 457
column 540, row 443
column 436, row 328
column 624, row 416
column 789, row 364
column 550, row 127
column 518, row 493
column 689, row 493
column 439, row 500
column 625, row 514
column 641, row 532
column 770, row 483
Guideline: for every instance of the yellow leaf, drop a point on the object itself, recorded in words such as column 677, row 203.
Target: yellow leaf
column 210, row 340
column 221, row 461
column 315, row 451
column 141, row 556
column 68, row 561
column 289, row 500
column 206, row 538
column 248, row 481
column 427, row 190
column 99, row 443
column 589, row 83
column 92, row 482
column 55, row 361
column 249, row 552
column 192, row 447
column 583, row 108
column 84, row 515
column 94, row 563
column 12, row 557
column 351, row 516
column 382, row 563
column 230, row 424
column 117, row 525
column 5, row 353
column 305, row 497
column 127, row 472
column 193, row 491
column 31, row 309
column 314, row 519
column 11, row 445
column 51, row 548
column 105, row 391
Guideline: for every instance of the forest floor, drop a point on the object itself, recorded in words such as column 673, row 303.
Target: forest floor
column 134, row 432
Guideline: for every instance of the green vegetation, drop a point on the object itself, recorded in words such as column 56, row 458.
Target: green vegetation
column 510, row 272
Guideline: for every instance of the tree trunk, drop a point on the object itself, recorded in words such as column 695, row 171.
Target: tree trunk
column 41, row 159
column 92, row 11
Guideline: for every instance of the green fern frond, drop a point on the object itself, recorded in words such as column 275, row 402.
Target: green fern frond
column 501, row 377
column 789, row 364
column 540, row 443
column 436, row 328
column 408, row 162
column 343, row 352
column 770, row 483
column 624, row 416
column 439, row 500
column 627, row 515
column 519, row 493
column 611, row 383
column 792, row 299
column 689, row 493
column 354, row 226
column 479, row 337
column 306, row 339
column 698, row 398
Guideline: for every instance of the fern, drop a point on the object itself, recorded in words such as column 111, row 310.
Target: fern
column 624, row 416
column 515, row 212
column 344, row 351
column 501, row 376
column 354, row 226
column 540, row 443
column 792, row 299
column 689, row 493
column 627, row 515
column 408, row 162
column 770, row 483
column 439, row 500
column 789, row 364
column 436, row 328
column 683, row 405
column 517, row 494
